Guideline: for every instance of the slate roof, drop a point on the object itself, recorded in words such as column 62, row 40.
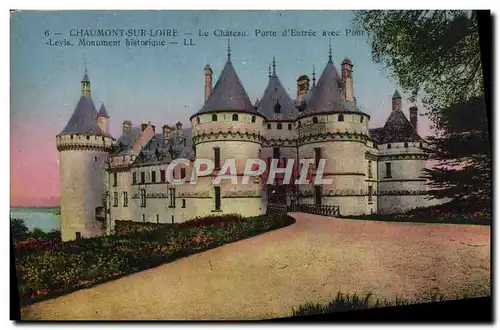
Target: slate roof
column 102, row 112
column 397, row 128
column 84, row 118
column 275, row 96
column 85, row 77
column 161, row 150
column 124, row 144
column 396, row 95
column 228, row 93
column 327, row 96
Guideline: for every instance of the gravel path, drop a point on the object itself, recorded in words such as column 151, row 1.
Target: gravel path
column 311, row 260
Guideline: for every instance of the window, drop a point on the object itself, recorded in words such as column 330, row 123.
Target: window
column 388, row 173
column 183, row 173
column 361, row 119
column 115, row 199
column 370, row 169
column 143, row 197
column 115, row 179
column 162, row 175
column 157, row 218
column 341, row 117
column 315, row 120
column 217, row 157
column 276, row 152
column 183, row 203
column 95, row 159
column 125, row 199
column 143, row 177
column 389, row 146
column 420, row 145
column 171, row 192
column 406, row 145
column 71, row 136
column 317, row 195
column 370, row 194
column 134, row 178
column 217, row 198
column 289, row 127
column 78, row 235
column 214, row 117
column 88, row 137
column 153, row 176
column 279, row 126
column 172, row 219
column 317, row 156
column 197, row 120
column 277, row 107
column 268, row 125
column 235, row 117
column 143, row 218
column 253, row 119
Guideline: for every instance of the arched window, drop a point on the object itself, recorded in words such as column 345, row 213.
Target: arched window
column 235, row 117
column 388, row 146
column 253, row 119
column 214, row 117
column 406, row 145
column 315, row 120
column 197, row 120
column 279, row 126
column 289, row 127
column 341, row 117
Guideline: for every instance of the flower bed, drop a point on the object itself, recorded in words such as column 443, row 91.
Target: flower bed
column 50, row 269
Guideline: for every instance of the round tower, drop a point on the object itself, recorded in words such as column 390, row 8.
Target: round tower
column 83, row 151
column 228, row 128
column 333, row 129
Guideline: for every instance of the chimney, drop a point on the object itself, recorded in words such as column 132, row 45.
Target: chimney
column 127, row 124
column 208, row 81
column 347, row 79
column 302, row 87
column 414, row 117
column 143, row 127
column 166, row 131
column 178, row 128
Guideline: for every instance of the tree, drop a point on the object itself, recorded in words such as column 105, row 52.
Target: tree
column 435, row 55
column 18, row 229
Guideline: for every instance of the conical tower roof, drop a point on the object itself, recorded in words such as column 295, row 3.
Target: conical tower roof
column 327, row 96
column 228, row 93
column 276, row 104
column 103, row 112
column 398, row 128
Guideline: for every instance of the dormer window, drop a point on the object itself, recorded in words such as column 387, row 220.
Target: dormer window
column 214, row 117
column 277, row 107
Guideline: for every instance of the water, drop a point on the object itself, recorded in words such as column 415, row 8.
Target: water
column 45, row 219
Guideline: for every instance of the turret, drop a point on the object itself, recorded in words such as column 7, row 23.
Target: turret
column 208, row 81
column 414, row 117
column 396, row 101
column 85, row 85
column 103, row 119
column 347, row 82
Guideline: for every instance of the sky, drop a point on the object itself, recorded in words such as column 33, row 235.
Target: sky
column 162, row 84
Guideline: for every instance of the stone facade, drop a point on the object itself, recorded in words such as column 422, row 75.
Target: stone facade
column 372, row 170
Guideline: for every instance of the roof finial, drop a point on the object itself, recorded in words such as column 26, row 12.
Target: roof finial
column 314, row 76
column 269, row 71
column 228, row 50
column 85, row 64
column 330, row 51
column 274, row 66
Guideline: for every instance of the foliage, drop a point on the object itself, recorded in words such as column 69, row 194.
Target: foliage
column 346, row 302
column 47, row 268
column 435, row 55
column 452, row 212
column 18, row 229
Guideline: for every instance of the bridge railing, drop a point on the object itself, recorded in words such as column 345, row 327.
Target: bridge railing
column 328, row 210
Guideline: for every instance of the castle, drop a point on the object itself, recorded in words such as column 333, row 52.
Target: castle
column 372, row 170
